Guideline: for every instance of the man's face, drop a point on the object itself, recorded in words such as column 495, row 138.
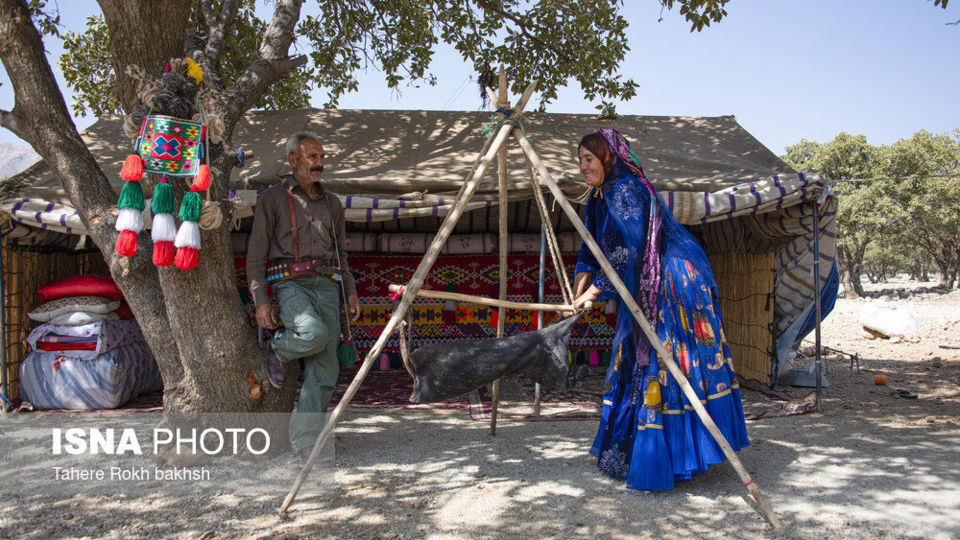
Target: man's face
column 307, row 163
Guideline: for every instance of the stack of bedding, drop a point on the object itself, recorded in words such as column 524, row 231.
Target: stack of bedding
column 88, row 352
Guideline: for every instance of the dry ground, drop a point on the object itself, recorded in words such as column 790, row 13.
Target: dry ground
column 867, row 465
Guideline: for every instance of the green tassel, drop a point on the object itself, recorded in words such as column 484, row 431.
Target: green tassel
column 131, row 196
column 162, row 199
column 190, row 207
column 347, row 354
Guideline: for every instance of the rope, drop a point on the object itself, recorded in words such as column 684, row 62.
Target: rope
column 494, row 125
column 210, row 216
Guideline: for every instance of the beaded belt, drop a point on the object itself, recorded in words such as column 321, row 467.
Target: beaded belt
column 282, row 271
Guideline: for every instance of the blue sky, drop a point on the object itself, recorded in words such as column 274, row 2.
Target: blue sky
column 787, row 69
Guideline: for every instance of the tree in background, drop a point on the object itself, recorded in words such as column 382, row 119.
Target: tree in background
column 194, row 321
column 899, row 204
column 925, row 173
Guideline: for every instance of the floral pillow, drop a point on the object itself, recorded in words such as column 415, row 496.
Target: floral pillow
column 68, row 304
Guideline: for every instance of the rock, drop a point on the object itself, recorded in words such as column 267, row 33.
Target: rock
column 887, row 320
column 936, row 362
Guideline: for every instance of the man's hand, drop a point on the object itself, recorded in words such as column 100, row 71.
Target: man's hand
column 265, row 316
column 353, row 306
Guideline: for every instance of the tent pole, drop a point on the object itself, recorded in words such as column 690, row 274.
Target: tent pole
column 540, row 282
column 416, row 282
column 644, row 325
column 816, row 297
column 502, row 104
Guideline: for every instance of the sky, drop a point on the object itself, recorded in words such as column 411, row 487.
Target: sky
column 787, row 69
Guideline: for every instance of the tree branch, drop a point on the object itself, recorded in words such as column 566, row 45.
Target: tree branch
column 271, row 63
column 216, row 42
column 10, row 121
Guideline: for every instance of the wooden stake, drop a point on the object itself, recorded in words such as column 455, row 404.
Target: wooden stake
column 470, row 187
column 665, row 357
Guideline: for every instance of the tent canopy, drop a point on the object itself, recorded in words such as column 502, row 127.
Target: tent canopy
column 393, row 153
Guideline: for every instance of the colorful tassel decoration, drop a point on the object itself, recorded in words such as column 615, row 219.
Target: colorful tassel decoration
column 130, row 206
column 187, row 241
column 164, row 230
column 594, row 358
column 132, row 170
column 384, row 362
column 202, row 180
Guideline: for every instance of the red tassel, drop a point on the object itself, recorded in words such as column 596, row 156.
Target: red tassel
column 126, row 243
column 449, row 318
column 132, row 170
column 202, row 180
column 162, row 253
column 186, row 258
column 494, row 318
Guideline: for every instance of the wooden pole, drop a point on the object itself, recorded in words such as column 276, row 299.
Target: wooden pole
column 502, row 103
column 665, row 357
column 541, row 280
column 470, row 187
column 443, row 295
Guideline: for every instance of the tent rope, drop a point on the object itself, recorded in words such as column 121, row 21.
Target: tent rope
column 494, row 125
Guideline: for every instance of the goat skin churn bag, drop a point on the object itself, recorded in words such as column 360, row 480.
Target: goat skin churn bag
column 449, row 370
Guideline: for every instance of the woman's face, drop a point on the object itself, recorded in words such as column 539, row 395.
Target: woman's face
column 591, row 168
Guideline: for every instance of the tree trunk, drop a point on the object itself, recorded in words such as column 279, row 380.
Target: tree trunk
column 851, row 274
column 161, row 24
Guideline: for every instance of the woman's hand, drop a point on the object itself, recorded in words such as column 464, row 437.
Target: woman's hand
column 590, row 295
column 580, row 283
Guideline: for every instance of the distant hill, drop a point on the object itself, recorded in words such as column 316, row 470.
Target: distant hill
column 14, row 158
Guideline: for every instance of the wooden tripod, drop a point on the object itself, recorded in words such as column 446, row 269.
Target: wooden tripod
column 495, row 146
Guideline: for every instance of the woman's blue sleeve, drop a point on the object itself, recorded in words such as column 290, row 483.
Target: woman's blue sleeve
column 625, row 236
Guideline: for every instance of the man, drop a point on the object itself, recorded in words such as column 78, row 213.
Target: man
column 298, row 221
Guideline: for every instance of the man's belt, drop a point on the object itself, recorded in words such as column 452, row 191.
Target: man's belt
column 290, row 270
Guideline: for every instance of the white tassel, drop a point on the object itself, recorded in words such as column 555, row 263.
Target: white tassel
column 188, row 235
column 129, row 220
column 164, row 229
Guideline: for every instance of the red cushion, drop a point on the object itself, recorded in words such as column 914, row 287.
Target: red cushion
column 79, row 286
column 124, row 311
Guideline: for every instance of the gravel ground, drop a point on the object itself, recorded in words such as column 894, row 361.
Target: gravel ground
column 867, row 465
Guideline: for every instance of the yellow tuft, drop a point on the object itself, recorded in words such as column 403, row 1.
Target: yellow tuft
column 194, row 71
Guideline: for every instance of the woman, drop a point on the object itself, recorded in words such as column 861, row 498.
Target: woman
column 649, row 434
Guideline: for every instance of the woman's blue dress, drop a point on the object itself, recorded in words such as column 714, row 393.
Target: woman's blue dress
column 647, row 438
